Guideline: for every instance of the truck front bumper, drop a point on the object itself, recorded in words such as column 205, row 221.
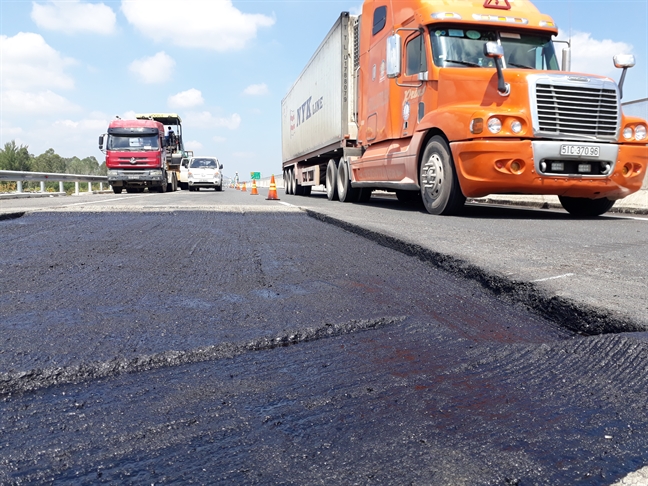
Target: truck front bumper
column 135, row 177
column 531, row 167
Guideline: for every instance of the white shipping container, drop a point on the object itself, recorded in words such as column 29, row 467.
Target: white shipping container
column 318, row 112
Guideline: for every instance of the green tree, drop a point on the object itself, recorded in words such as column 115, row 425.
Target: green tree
column 13, row 157
column 49, row 161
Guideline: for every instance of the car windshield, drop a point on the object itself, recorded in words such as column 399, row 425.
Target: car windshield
column 455, row 47
column 133, row 144
column 203, row 163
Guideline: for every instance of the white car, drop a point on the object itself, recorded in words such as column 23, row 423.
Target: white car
column 204, row 172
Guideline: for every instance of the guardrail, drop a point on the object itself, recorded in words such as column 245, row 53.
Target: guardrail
column 42, row 177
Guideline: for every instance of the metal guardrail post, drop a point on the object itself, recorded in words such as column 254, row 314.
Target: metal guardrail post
column 19, row 187
column 89, row 187
column 101, row 187
column 42, row 184
column 76, row 188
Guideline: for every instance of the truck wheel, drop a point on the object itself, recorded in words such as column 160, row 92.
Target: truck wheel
column 293, row 182
column 584, row 207
column 440, row 189
column 331, row 180
column 286, row 181
column 346, row 193
column 163, row 187
column 117, row 190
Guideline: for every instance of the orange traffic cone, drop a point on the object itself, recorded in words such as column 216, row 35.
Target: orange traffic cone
column 243, row 189
column 272, row 193
column 254, row 191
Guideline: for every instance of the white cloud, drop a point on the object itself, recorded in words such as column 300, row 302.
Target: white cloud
column 40, row 103
column 27, row 61
column 214, row 25
column 154, row 69
column 193, row 145
column 186, row 99
column 256, row 90
column 205, row 119
column 218, row 139
column 591, row 55
column 86, row 125
column 72, row 16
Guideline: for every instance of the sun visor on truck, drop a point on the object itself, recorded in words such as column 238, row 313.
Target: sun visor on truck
column 133, row 131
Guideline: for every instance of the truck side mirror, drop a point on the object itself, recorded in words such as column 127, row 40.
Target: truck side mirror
column 220, row 166
column 496, row 51
column 393, row 56
column 623, row 61
column 101, row 142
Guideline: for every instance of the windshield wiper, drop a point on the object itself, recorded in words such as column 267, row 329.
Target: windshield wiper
column 519, row 65
column 465, row 63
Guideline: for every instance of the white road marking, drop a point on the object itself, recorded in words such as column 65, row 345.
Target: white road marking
column 553, row 278
column 287, row 204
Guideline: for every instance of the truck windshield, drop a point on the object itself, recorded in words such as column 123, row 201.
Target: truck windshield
column 455, row 47
column 132, row 144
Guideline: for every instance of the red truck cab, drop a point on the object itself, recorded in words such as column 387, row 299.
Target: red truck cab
column 135, row 155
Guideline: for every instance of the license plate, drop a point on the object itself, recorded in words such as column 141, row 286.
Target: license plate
column 133, row 177
column 580, row 150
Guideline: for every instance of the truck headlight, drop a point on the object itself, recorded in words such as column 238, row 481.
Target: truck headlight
column 640, row 132
column 494, row 125
column 628, row 133
column 516, row 126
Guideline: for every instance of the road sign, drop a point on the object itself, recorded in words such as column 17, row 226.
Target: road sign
column 255, row 175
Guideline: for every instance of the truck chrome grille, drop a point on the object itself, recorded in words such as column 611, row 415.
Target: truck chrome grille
column 571, row 110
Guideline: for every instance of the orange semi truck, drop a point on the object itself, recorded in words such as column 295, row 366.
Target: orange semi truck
column 446, row 100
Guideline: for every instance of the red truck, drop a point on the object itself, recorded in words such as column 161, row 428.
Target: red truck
column 140, row 155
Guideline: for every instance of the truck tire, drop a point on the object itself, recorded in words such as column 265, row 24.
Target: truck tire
column 584, row 207
column 286, row 181
column 163, row 187
column 293, row 182
column 331, row 180
column 117, row 190
column 346, row 193
column 440, row 190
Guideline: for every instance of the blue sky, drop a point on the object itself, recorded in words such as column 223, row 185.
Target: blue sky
column 68, row 67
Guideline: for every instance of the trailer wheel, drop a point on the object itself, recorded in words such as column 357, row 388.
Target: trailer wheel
column 331, row 180
column 440, row 190
column 584, row 207
column 117, row 190
column 346, row 193
column 286, row 181
column 293, row 182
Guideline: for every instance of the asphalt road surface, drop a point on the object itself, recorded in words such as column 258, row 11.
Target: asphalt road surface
column 219, row 338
